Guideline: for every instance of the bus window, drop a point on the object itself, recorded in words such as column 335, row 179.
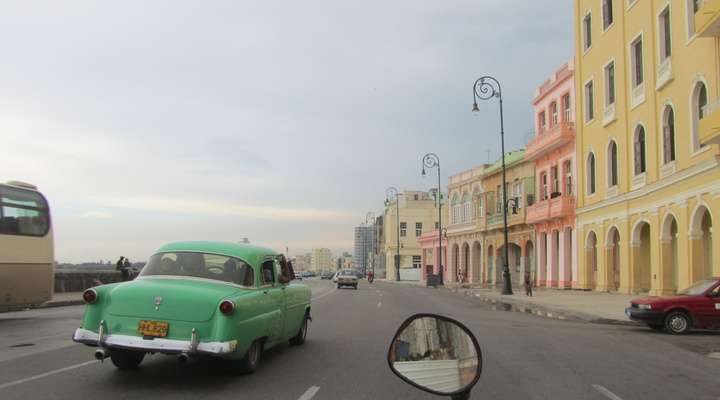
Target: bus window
column 23, row 212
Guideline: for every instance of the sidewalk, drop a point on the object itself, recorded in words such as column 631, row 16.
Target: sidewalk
column 572, row 305
column 606, row 308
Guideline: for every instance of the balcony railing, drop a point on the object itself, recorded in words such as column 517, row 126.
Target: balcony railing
column 710, row 123
column 546, row 141
column 557, row 207
column 707, row 18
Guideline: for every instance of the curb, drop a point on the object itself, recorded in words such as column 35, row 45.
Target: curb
column 61, row 303
column 49, row 304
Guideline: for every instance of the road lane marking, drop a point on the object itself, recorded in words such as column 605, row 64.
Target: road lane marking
column 46, row 374
column 310, row 393
column 607, row 393
column 323, row 295
column 379, row 304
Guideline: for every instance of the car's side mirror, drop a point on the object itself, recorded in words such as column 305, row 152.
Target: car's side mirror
column 436, row 354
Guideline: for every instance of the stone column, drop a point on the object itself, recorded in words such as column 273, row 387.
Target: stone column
column 564, row 263
column 552, row 260
column 657, row 286
column 541, row 251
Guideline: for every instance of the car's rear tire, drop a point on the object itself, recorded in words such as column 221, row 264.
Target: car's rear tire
column 126, row 359
column 299, row 339
column 251, row 361
column 657, row 327
column 677, row 322
column 339, row 286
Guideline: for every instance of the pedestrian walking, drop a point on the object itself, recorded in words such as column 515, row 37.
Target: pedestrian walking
column 126, row 270
column 119, row 265
column 528, row 284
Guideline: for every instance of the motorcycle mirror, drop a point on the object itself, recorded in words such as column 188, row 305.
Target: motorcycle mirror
column 436, row 354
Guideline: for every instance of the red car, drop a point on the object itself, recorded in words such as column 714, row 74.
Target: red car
column 695, row 307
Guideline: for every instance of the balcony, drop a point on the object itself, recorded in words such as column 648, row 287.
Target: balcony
column 710, row 124
column 547, row 141
column 707, row 19
column 559, row 207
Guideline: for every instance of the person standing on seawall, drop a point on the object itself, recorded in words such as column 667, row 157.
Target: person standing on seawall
column 126, row 270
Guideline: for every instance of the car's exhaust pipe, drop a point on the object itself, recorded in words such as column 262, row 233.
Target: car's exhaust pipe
column 101, row 354
column 183, row 358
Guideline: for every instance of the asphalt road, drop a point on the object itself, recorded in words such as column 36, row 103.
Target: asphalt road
column 525, row 357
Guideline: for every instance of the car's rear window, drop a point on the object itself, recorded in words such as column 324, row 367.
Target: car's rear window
column 200, row 265
column 347, row 273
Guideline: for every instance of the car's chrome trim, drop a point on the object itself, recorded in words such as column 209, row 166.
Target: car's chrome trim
column 101, row 333
column 196, row 279
column 158, row 345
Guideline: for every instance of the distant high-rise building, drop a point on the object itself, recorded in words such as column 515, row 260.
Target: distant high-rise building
column 321, row 260
column 364, row 237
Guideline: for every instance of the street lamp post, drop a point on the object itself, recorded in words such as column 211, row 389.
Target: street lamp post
column 431, row 160
column 443, row 235
column 486, row 88
column 392, row 192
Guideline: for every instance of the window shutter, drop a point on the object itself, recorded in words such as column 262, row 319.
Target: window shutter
column 667, row 146
column 642, row 154
column 605, row 14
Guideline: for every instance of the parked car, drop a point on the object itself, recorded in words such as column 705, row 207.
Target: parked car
column 695, row 307
column 327, row 275
column 347, row 277
column 194, row 299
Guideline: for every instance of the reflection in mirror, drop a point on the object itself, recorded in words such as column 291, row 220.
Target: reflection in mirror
column 436, row 354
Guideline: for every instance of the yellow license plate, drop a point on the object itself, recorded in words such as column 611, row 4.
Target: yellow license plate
column 153, row 328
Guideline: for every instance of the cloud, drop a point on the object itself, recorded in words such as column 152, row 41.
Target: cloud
column 193, row 206
column 97, row 214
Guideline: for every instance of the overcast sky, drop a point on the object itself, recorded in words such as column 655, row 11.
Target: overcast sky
column 146, row 122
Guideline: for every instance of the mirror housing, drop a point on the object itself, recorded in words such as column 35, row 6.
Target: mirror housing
column 436, row 354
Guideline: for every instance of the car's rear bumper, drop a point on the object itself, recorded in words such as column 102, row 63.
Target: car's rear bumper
column 157, row 345
column 645, row 316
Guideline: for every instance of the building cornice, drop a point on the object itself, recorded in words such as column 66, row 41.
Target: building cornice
column 656, row 186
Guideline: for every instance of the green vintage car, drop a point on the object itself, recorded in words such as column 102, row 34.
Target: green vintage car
column 198, row 298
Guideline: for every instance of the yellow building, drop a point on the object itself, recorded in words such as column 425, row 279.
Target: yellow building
column 520, row 178
column 648, row 178
column 418, row 215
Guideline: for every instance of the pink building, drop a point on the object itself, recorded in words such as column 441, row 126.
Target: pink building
column 553, row 151
column 430, row 247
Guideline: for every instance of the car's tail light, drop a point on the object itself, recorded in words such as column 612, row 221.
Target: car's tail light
column 227, row 307
column 90, row 296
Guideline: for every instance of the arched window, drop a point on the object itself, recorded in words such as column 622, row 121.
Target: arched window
column 455, row 209
column 467, row 207
column 612, row 164
column 702, row 101
column 699, row 101
column 668, row 135
column 590, row 173
column 639, row 148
